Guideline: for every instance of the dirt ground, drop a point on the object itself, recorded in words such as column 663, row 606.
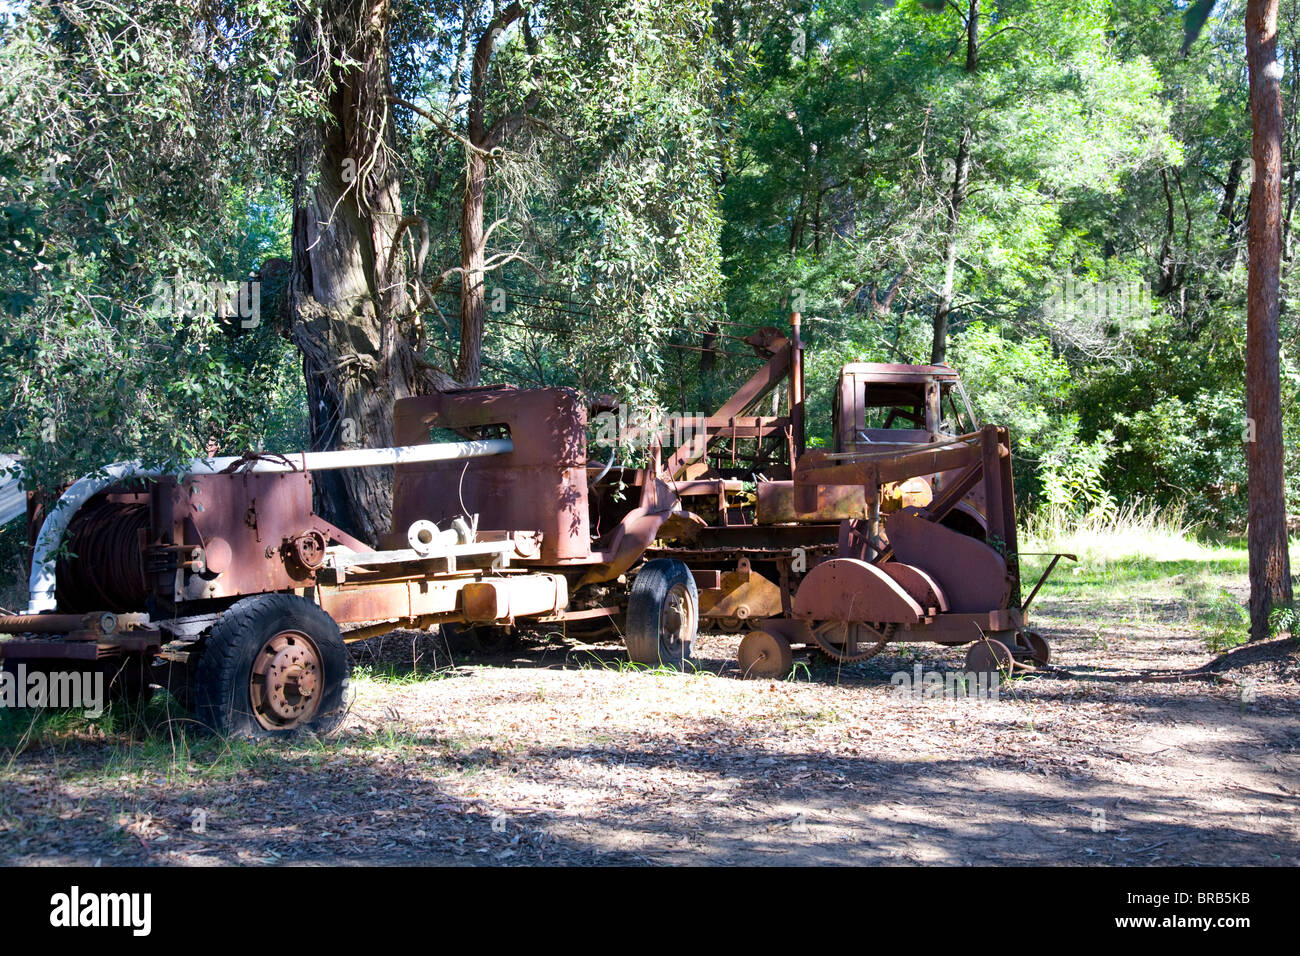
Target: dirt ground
column 1121, row 753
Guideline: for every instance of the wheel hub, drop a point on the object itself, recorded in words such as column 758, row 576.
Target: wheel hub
column 675, row 619
column 284, row 684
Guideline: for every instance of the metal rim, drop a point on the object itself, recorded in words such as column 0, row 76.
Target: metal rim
column 989, row 656
column 850, row 649
column 286, row 680
column 1040, row 651
column 677, row 620
column 765, row 655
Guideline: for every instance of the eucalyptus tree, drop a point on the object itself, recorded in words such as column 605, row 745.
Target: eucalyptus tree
column 1270, row 568
column 590, row 114
column 139, row 163
column 936, row 147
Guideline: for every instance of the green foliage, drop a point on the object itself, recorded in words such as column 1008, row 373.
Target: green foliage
column 676, row 174
column 142, row 150
column 1283, row 620
column 1226, row 622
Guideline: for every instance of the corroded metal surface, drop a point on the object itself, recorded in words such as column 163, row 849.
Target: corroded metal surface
column 541, row 486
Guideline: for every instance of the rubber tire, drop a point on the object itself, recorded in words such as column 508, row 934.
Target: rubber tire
column 221, row 696
column 645, row 644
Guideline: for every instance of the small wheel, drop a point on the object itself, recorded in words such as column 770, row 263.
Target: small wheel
column 272, row 665
column 989, row 656
column 662, row 614
column 1040, row 652
column 728, row 625
column 764, row 655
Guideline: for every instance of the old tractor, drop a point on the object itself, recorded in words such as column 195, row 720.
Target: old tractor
column 904, row 531
column 218, row 580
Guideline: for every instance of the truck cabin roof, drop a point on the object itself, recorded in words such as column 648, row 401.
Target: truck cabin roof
column 888, row 372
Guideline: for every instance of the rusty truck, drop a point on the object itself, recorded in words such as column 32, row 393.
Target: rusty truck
column 219, row 582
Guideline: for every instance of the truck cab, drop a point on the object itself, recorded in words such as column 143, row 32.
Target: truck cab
column 883, row 407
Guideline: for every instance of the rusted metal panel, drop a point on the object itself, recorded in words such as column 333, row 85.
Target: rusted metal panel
column 971, row 575
column 503, row 599
column 249, row 522
column 922, row 588
column 962, row 628
column 707, row 579
column 48, row 650
column 541, row 486
column 133, row 642
column 834, row 503
column 742, row 593
column 873, row 470
column 845, row 589
column 894, row 372
column 514, row 595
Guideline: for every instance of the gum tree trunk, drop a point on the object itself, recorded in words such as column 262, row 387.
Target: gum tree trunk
column 1270, row 567
column 481, row 139
column 348, row 296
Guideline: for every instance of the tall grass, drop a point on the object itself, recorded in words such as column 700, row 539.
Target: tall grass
column 1148, row 563
column 1137, row 530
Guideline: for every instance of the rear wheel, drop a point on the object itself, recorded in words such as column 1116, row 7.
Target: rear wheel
column 272, row 665
column 662, row 614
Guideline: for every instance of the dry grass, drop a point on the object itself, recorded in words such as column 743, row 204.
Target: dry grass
column 1133, row 531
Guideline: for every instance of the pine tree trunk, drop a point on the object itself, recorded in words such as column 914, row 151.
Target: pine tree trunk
column 1270, row 567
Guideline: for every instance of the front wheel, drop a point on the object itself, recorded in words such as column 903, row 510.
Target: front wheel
column 663, row 614
column 272, row 665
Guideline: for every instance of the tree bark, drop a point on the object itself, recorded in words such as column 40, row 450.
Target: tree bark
column 1228, row 208
column 347, row 291
column 960, row 181
column 481, row 138
column 473, row 303
column 1270, row 567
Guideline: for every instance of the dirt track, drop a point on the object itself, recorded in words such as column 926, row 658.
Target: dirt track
column 548, row 755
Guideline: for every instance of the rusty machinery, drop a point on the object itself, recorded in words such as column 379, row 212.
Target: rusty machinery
column 905, row 530
column 224, row 585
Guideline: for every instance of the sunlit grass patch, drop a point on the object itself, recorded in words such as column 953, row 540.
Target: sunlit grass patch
column 398, row 674
column 1136, row 534
column 1142, row 564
